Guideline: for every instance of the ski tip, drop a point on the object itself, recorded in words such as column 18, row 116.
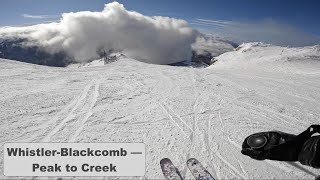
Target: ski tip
column 192, row 160
column 198, row 171
column 169, row 171
column 165, row 160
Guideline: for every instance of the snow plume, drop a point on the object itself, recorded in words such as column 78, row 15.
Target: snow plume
column 213, row 46
column 85, row 35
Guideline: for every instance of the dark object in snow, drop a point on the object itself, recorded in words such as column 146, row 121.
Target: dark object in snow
column 310, row 152
column 169, row 171
column 282, row 146
column 257, row 141
column 198, row 171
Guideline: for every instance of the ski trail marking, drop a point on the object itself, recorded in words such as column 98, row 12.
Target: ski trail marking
column 70, row 115
column 221, row 122
column 275, row 164
column 207, row 146
column 56, row 117
column 224, row 133
column 282, row 167
column 243, row 171
column 230, row 166
column 215, row 167
column 232, row 143
column 178, row 117
column 266, row 119
column 194, row 118
column 94, row 99
column 230, row 172
column 282, row 117
column 294, row 164
column 172, row 119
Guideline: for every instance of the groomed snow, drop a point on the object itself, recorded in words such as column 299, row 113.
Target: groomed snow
column 178, row 112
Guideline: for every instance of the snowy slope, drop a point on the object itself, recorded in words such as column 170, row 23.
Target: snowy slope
column 256, row 55
column 178, row 112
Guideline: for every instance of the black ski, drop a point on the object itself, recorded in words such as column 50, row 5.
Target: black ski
column 198, row 171
column 169, row 171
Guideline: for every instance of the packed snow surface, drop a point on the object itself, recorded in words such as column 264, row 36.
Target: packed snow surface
column 178, row 112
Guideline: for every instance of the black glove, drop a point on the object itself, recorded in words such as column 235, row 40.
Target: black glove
column 258, row 155
column 314, row 128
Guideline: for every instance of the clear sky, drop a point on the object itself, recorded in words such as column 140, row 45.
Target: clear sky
column 213, row 16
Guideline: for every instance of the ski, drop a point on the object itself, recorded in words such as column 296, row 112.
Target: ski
column 198, row 171
column 169, row 171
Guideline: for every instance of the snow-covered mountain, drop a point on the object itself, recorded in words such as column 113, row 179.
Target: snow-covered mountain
column 85, row 36
column 178, row 112
column 249, row 54
column 15, row 49
column 267, row 57
column 204, row 49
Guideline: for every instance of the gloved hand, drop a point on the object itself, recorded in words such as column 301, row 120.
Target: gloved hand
column 314, row 128
column 258, row 155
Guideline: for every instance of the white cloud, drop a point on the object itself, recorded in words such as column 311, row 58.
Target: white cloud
column 268, row 31
column 157, row 39
column 211, row 45
column 38, row 16
column 214, row 22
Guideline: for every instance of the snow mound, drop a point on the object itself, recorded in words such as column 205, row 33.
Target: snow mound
column 107, row 59
column 257, row 54
column 248, row 46
column 95, row 63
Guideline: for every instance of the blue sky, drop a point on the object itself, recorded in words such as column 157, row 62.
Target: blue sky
column 239, row 19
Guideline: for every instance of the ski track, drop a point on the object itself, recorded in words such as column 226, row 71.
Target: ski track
column 94, row 99
column 206, row 112
column 75, row 105
column 172, row 115
column 243, row 175
column 243, row 171
column 298, row 166
column 203, row 137
column 177, row 115
column 238, row 173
